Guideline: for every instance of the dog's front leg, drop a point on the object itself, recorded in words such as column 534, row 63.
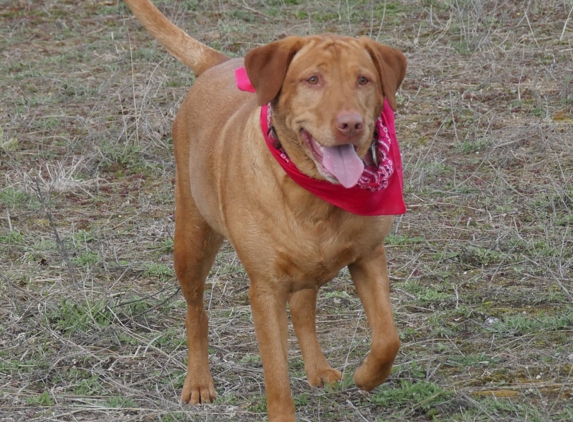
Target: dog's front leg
column 372, row 285
column 268, row 302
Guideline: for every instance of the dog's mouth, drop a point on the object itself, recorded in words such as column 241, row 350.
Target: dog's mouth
column 337, row 164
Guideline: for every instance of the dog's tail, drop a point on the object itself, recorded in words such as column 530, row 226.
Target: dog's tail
column 187, row 50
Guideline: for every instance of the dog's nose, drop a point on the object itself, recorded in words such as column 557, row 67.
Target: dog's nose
column 349, row 124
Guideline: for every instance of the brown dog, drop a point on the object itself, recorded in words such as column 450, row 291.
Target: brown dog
column 326, row 93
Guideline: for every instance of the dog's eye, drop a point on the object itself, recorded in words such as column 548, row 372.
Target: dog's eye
column 363, row 80
column 313, row 80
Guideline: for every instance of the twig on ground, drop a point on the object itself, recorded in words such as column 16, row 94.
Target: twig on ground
column 356, row 410
column 565, row 25
column 59, row 242
column 250, row 9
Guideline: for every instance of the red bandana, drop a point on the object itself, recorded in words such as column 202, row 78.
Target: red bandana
column 379, row 189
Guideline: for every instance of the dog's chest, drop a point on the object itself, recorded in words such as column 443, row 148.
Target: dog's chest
column 311, row 254
column 299, row 239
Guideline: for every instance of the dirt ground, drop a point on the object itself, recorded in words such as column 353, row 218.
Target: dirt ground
column 91, row 317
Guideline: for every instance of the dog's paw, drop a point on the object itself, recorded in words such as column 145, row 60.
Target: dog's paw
column 372, row 373
column 195, row 392
column 324, row 376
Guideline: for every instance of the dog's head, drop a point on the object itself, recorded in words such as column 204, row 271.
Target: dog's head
column 327, row 92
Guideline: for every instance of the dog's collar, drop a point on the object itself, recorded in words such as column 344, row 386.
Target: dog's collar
column 379, row 189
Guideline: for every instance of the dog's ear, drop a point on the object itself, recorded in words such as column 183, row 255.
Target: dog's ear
column 391, row 66
column 267, row 66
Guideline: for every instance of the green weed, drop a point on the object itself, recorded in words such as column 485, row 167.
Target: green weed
column 88, row 386
column 13, row 237
column 477, row 359
column 522, row 324
column 11, row 198
column 471, row 147
column 87, row 258
column 259, row 405
column 477, row 256
column 155, row 269
column 401, row 239
column 166, row 246
column 251, row 359
column 414, row 395
column 120, row 402
column 70, row 316
column 14, row 366
column 42, row 400
column 121, row 158
column 172, row 339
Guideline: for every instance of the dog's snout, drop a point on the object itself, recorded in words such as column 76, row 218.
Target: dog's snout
column 349, row 125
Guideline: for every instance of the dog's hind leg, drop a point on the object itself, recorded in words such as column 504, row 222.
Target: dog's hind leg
column 195, row 248
column 303, row 314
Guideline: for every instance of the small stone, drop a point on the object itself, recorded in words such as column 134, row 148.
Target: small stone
column 491, row 321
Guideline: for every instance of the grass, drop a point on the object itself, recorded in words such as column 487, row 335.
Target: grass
column 91, row 318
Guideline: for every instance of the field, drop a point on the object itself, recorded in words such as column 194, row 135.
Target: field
column 91, row 317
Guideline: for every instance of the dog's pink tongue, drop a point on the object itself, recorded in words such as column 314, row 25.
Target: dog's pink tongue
column 344, row 164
